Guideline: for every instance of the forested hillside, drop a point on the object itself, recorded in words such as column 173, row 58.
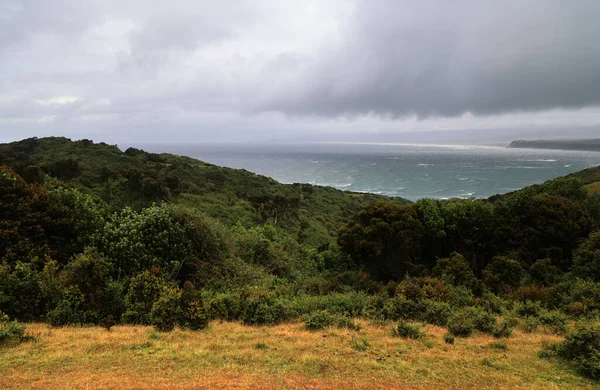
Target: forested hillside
column 93, row 235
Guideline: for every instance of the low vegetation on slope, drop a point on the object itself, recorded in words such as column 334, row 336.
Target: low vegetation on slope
column 187, row 243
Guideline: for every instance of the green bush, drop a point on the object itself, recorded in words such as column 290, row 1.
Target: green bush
column 437, row 313
column 144, row 290
column 318, row 320
column 11, row 332
column 166, row 311
column 225, row 306
column 503, row 329
column 581, row 348
column 193, row 315
column 461, row 324
column 554, row 320
column 402, row 308
column 449, row 339
column 527, row 309
column 406, row 331
column 261, row 308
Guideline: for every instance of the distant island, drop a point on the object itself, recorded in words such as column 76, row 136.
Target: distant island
column 576, row 144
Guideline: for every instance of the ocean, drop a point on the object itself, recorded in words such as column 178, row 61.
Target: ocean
column 409, row 171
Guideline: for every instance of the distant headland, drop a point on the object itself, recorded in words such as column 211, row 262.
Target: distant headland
column 575, row 144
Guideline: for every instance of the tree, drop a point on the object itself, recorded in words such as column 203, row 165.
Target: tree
column 386, row 238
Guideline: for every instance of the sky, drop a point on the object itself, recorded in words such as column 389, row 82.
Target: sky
column 299, row 70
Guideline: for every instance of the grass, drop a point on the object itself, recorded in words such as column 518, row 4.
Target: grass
column 231, row 355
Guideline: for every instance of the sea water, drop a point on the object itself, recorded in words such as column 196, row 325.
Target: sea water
column 409, row 171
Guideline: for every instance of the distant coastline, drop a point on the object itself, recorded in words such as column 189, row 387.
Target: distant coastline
column 592, row 145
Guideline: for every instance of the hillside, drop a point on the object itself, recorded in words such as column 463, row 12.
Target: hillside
column 576, row 144
column 136, row 178
column 228, row 266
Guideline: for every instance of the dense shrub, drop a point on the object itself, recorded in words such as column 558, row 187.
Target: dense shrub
column 527, row 309
column 503, row 329
column 406, row 331
column 437, row 313
column 581, row 348
column 461, row 324
column 554, row 320
column 193, row 316
column 144, row 290
column 318, row 320
column 402, row 308
column 261, row 308
column 166, row 311
column 224, row 306
column 11, row 332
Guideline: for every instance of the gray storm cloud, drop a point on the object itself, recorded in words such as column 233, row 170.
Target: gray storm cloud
column 444, row 58
column 259, row 68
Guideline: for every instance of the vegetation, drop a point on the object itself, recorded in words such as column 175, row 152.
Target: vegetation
column 90, row 235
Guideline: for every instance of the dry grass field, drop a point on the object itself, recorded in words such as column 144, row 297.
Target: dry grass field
column 234, row 356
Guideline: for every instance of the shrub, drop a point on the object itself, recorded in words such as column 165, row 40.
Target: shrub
column 482, row 320
column 10, row 331
column 166, row 311
column 262, row 308
column 144, row 290
column 556, row 321
column 318, row 320
column 527, row 309
column 401, row 307
column 448, row 338
column 347, row 322
column 530, row 324
column 437, row 313
column 225, row 306
column 193, row 315
column 461, row 324
column 581, row 348
column 503, row 329
column 406, row 331
column 491, row 302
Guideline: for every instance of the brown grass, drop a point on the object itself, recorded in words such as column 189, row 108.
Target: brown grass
column 233, row 356
column 593, row 187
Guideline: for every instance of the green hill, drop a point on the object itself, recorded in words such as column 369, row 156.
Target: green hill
column 137, row 179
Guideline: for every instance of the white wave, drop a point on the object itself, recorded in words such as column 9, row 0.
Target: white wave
column 541, row 160
column 341, row 185
column 567, row 166
column 463, row 178
column 424, row 165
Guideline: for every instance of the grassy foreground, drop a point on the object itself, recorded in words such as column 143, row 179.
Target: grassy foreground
column 234, row 356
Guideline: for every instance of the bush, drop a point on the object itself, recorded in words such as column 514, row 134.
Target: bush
column 261, row 308
column 503, row 329
column 437, row 313
column 554, row 320
column 448, row 338
column 318, row 320
column 461, row 324
column 166, row 311
column 225, row 306
column 10, row 331
column 401, row 307
column 144, row 290
column 406, row 331
column 527, row 309
column 193, row 315
column 581, row 348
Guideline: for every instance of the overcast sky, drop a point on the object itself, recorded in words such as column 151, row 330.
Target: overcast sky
column 195, row 70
